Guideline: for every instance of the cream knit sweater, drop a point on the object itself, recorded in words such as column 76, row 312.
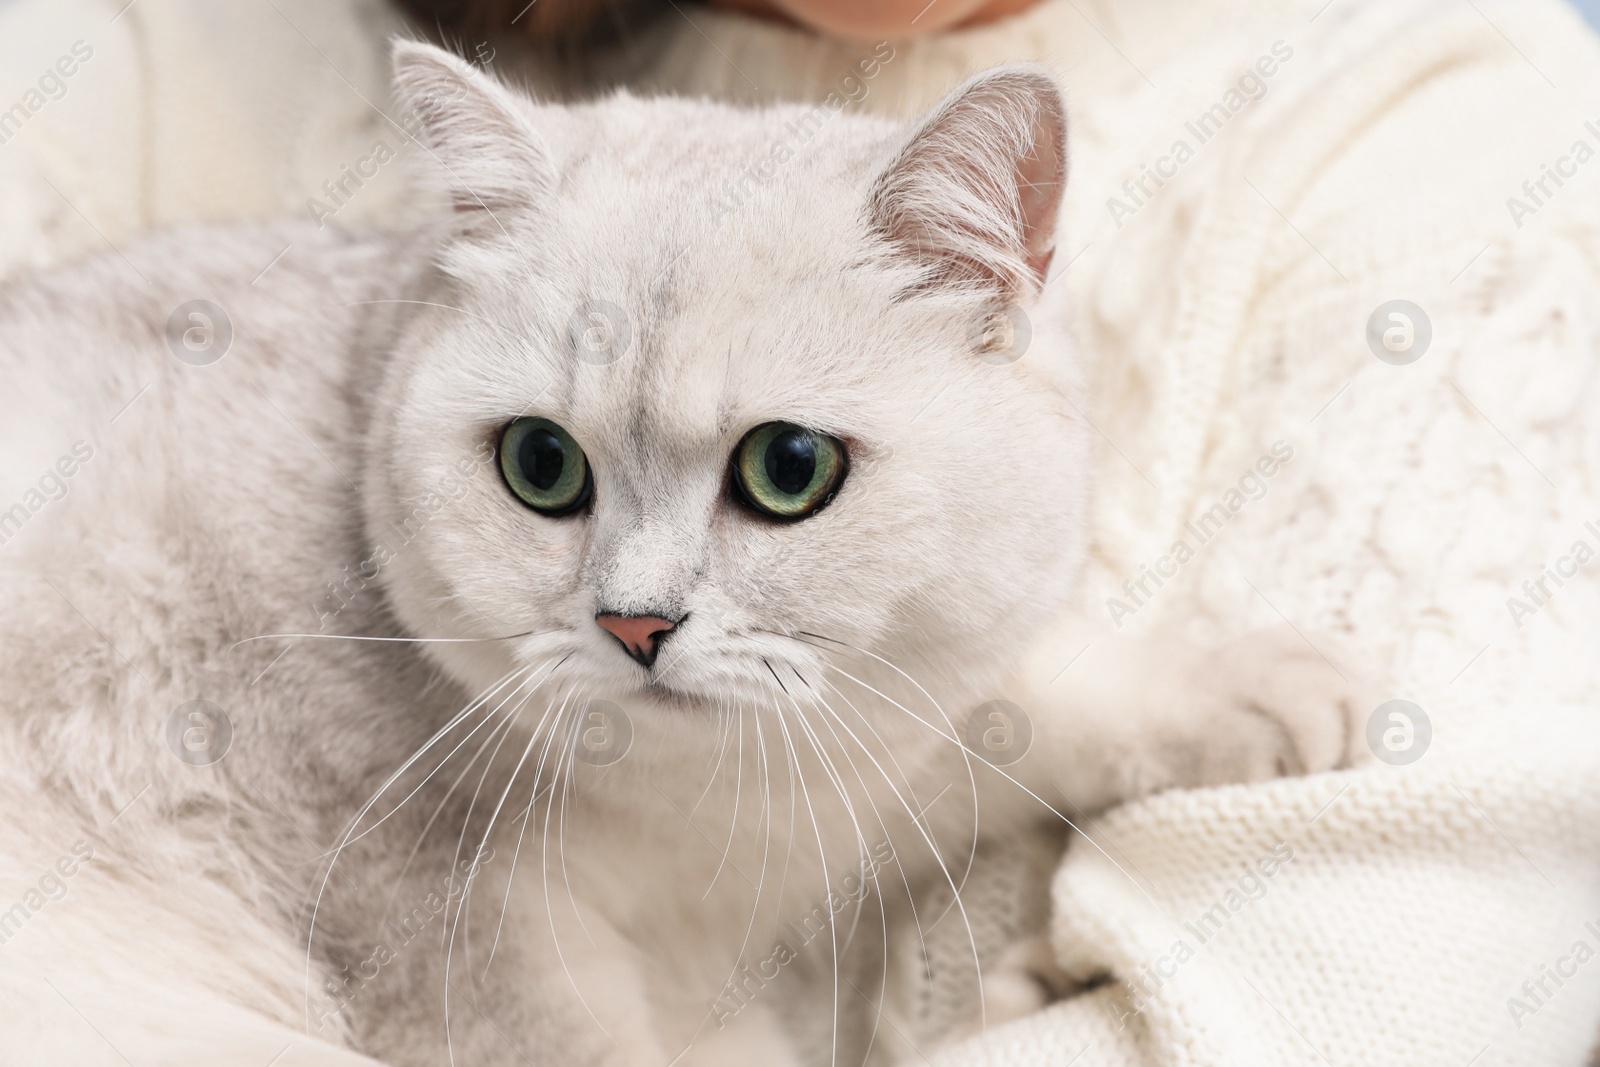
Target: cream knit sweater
column 1444, row 911
column 1363, row 152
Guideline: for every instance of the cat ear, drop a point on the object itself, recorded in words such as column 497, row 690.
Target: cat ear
column 492, row 157
column 975, row 190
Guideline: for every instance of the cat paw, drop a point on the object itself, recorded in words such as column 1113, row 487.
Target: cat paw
column 1271, row 704
column 1137, row 715
column 1024, row 979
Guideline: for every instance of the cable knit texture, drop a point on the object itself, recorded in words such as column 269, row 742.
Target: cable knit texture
column 1429, row 913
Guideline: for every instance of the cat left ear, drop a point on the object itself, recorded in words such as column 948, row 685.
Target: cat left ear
column 975, row 191
column 493, row 158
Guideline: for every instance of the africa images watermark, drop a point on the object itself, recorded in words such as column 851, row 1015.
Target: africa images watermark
column 51, row 886
column 52, row 85
column 1537, row 991
column 340, row 991
column 853, row 88
column 1250, row 87
column 352, row 581
column 749, row 980
column 1537, row 590
column 1204, row 527
column 53, row 485
column 1536, row 192
column 352, row 177
column 1142, row 990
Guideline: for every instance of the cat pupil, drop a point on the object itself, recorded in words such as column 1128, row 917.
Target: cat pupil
column 791, row 462
column 542, row 459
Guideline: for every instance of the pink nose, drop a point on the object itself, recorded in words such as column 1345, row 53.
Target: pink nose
column 638, row 633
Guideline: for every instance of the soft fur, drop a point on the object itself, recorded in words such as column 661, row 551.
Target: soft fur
column 332, row 476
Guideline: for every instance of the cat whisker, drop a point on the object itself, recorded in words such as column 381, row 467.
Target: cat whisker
column 972, row 780
column 549, row 791
column 915, row 816
column 561, row 836
column 533, row 738
column 883, row 916
column 927, row 836
column 763, row 819
column 923, row 829
column 561, row 832
column 461, row 905
column 724, row 728
column 544, row 859
column 316, row 906
column 830, row 769
column 438, row 810
column 953, row 735
column 560, row 785
column 863, row 851
column 401, row 640
column 822, row 855
column 956, row 885
column 733, row 822
column 775, row 677
column 889, row 751
column 466, row 822
column 453, row 751
column 955, row 740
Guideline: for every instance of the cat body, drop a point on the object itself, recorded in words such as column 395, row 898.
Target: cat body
column 113, row 647
column 429, row 808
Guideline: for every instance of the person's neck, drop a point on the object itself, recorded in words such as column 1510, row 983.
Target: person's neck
column 828, row 18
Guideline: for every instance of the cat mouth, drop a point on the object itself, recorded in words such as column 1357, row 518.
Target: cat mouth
column 672, row 696
column 687, row 694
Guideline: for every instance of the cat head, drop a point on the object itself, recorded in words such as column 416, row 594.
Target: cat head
column 711, row 402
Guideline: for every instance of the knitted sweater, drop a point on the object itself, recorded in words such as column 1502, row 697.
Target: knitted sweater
column 1251, row 185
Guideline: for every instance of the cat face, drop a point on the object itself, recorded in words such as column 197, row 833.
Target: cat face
column 713, row 437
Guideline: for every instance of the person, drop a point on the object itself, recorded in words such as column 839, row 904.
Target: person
column 1354, row 243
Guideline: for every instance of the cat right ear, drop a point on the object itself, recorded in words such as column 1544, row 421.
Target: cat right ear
column 494, row 160
column 974, row 192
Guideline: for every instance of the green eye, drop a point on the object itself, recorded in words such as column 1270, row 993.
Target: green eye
column 787, row 471
column 544, row 466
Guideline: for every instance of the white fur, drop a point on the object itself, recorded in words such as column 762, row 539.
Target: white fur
column 798, row 721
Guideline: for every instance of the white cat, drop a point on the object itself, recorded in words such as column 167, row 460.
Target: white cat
column 654, row 551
